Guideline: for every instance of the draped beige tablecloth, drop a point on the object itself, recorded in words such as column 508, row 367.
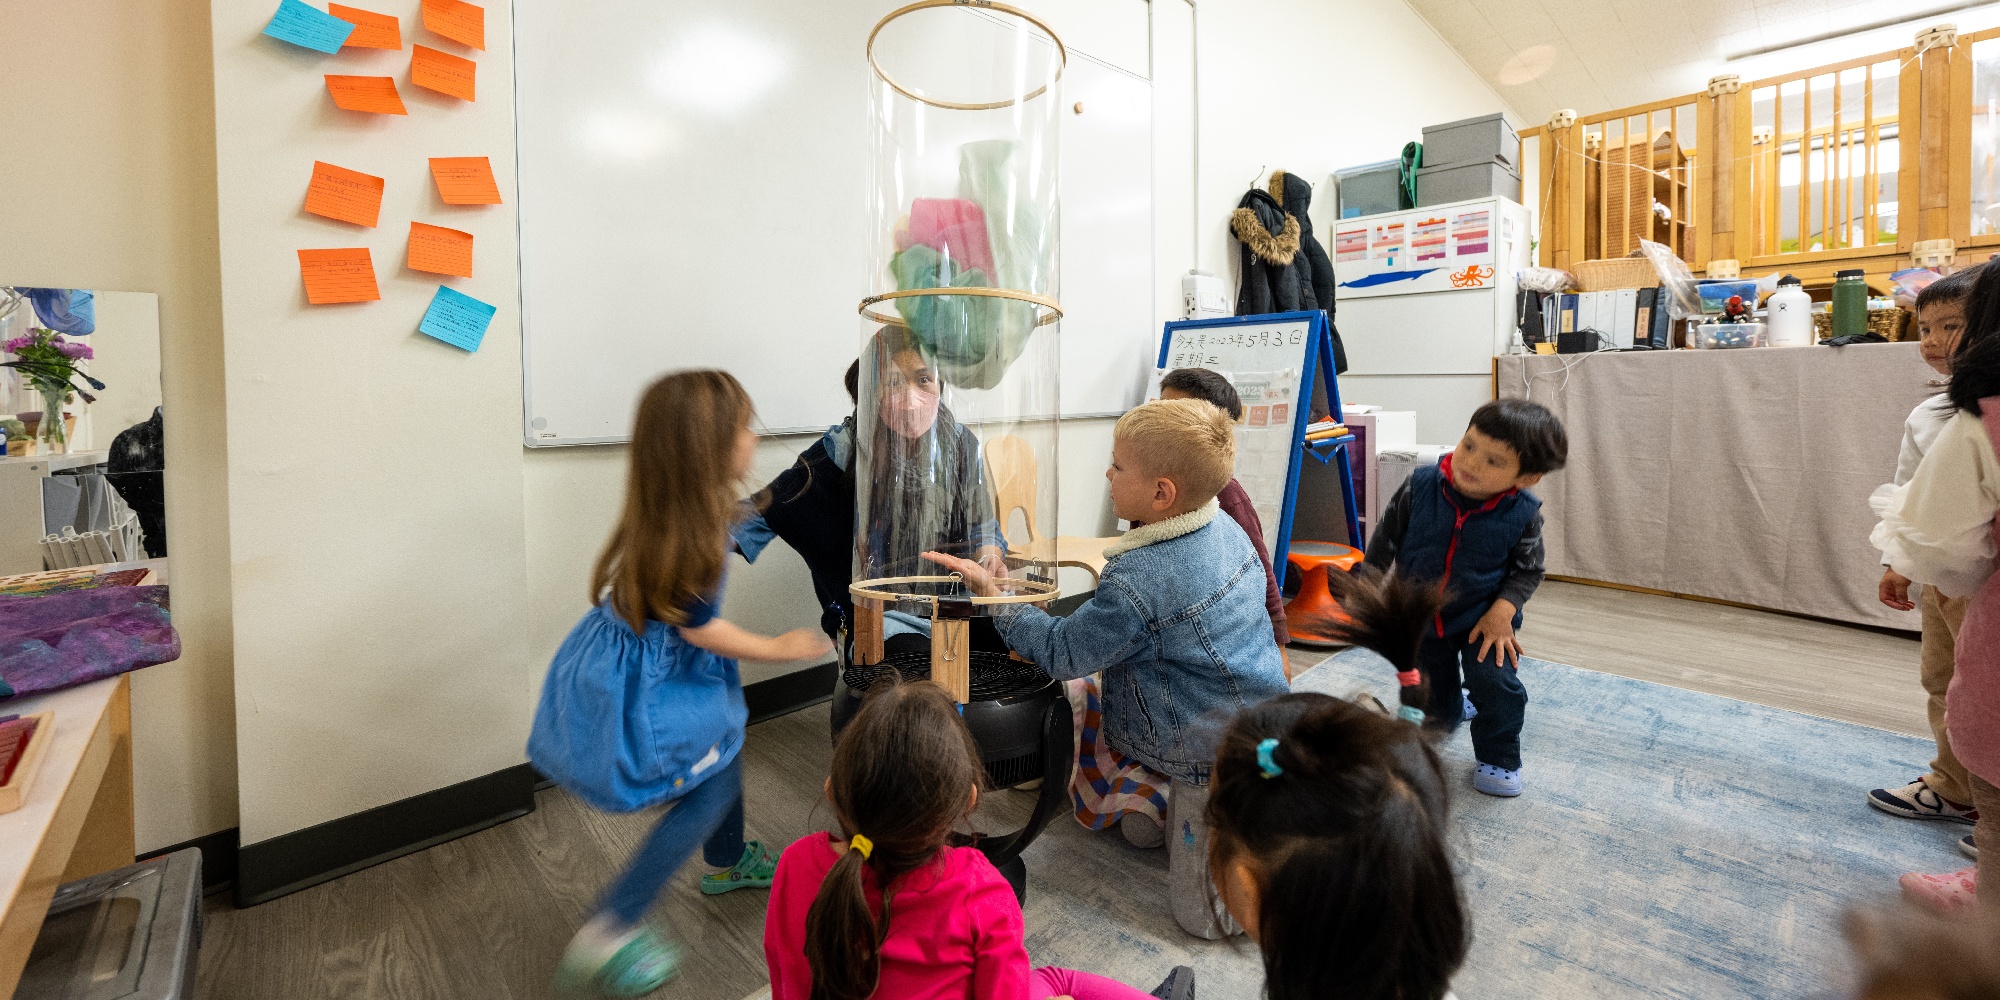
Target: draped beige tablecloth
column 1740, row 475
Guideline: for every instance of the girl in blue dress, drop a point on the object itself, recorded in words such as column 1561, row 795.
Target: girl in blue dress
column 642, row 705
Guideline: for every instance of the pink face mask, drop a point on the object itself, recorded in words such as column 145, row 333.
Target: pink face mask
column 909, row 412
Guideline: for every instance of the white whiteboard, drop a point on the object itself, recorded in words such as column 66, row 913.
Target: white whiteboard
column 692, row 180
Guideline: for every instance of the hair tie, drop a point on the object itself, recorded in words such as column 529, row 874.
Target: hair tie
column 1411, row 713
column 1409, row 678
column 1264, row 762
column 862, row 844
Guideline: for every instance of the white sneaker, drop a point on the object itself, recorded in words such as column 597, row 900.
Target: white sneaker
column 1917, row 800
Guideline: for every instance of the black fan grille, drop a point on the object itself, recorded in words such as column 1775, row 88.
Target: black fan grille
column 995, row 676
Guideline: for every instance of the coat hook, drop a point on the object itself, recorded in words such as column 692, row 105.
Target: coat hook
column 1259, row 175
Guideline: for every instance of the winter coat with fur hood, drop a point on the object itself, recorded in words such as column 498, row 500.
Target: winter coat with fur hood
column 1284, row 267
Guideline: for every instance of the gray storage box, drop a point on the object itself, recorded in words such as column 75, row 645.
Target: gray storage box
column 1488, row 139
column 1444, row 185
column 130, row 934
column 1369, row 189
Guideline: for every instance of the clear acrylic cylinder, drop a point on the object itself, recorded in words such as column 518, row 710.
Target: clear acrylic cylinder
column 956, row 436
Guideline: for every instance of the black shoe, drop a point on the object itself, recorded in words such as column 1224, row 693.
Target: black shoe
column 1179, row 985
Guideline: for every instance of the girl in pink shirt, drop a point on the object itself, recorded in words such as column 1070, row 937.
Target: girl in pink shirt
column 905, row 772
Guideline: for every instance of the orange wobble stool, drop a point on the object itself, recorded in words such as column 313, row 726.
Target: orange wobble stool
column 1314, row 608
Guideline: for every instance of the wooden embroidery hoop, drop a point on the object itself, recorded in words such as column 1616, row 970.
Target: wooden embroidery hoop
column 951, row 621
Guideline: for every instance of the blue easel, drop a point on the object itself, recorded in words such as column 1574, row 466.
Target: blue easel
column 1315, row 362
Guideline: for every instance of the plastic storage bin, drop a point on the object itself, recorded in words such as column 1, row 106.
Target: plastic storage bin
column 1466, row 182
column 1486, row 139
column 1369, row 189
column 129, row 934
column 1713, row 336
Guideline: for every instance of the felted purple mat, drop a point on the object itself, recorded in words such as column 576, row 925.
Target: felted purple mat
column 60, row 640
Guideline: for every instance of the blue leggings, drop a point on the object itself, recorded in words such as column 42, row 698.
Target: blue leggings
column 711, row 815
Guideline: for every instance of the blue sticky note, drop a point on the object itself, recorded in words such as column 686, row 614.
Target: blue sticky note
column 308, row 27
column 457, row 319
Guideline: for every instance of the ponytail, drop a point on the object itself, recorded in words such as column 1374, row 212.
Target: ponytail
column 843, row 940
column 1388, row 614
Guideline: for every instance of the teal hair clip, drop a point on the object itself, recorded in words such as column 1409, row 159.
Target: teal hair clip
column 1411, row 713
column 1264, row 762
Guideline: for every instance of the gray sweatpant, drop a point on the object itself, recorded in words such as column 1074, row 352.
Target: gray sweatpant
column 1197, row 908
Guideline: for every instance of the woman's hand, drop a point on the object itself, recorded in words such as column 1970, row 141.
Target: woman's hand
column 975, row 576
column 992, row 560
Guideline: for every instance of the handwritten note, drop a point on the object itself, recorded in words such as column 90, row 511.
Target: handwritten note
column 461, row 22
column 443, row 72
column 345, row 275
column 375, row 94
column 440, row 250
column 457, row 319
column 347, row 195
column 465, row 180
column 308, row 27
column 371, row 30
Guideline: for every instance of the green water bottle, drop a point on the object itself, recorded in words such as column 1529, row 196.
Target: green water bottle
column 1850, row 303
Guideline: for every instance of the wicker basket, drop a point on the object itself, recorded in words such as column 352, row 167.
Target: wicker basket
column 1889, row 324
column 1614, row 274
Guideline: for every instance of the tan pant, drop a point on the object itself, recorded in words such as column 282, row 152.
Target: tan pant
column 1986, row 837
column 1942, row 617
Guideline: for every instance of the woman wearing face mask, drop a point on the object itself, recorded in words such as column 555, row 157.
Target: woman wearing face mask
column 926, row 488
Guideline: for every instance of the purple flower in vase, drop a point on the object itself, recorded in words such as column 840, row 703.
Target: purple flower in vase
column 75, row 351
column 19, row 344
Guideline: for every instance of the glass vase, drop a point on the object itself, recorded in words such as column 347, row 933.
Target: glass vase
column 50, row 436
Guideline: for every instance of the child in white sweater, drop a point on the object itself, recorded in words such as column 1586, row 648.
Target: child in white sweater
column 1945, row 793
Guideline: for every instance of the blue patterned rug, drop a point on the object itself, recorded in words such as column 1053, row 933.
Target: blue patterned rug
column 1670, row 843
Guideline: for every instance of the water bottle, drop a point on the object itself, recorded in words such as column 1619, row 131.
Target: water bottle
column 1850, row 303
column 1788, row 314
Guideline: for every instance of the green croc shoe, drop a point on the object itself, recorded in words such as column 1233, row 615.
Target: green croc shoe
column 639, row 966
column 753, row 870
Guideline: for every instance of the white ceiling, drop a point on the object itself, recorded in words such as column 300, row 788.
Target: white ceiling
column 1601, row 55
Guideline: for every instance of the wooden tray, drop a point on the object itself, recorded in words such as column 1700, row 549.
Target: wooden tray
column 15, row 792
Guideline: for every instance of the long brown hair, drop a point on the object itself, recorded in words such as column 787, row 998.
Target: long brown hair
column 903, row 774
column 680, row 499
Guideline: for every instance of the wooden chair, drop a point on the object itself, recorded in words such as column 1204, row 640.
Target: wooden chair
column 1011, row 465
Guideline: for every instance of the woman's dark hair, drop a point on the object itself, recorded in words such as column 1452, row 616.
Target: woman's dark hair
column 903, row 774
column 853, row 381
column 1534, row 433
column 1346, row 840
column 1356, row 896
column 1975, row 364
column 1201, row 383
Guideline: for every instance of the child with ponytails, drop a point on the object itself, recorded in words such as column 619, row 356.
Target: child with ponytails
column 642, row 704
column 1327, row 825
column 897, row 905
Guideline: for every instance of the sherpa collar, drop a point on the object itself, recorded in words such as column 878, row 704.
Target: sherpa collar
column 1164, row 531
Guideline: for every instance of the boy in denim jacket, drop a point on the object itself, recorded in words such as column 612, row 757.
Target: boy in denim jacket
column 1177, row 626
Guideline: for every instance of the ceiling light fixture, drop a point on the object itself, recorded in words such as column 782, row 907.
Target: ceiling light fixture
column 1952, row 8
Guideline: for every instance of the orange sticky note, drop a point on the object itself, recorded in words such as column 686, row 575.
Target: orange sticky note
column 346, row 275
column 461, row 22
column 371, row 30
column 375, row 94
column 440, row 250
column 465, row 180
column 347, row 195
column 442, row 72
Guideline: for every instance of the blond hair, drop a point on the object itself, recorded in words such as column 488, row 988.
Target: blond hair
column 1189, row 441
column 680, row 499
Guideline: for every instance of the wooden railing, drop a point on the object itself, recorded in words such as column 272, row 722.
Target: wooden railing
column 1848, row 165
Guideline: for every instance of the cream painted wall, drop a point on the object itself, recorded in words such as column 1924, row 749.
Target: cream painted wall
column 112, row 186
column 375, row 493
column 127, row 347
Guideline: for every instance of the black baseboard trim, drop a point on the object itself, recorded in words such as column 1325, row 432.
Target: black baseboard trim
column 304, row 858
column 218, row 858
column 788, row 693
